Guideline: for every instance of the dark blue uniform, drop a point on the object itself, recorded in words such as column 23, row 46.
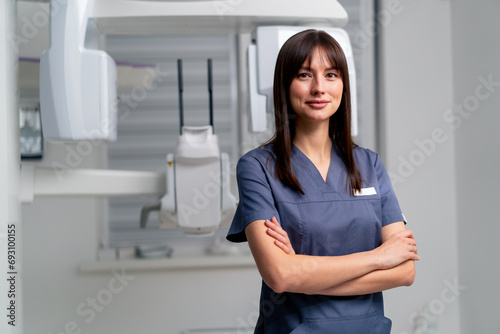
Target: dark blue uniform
column 326, row 221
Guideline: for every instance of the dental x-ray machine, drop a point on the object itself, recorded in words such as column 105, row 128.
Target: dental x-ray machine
column 78, row 95
column 197, row 174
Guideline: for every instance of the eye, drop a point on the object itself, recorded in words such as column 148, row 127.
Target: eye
column 332, row 75
column 303, row 75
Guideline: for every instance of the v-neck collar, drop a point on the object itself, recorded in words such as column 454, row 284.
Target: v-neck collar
column 332, row 177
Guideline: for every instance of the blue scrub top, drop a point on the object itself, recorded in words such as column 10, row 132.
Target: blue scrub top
column 325, row 221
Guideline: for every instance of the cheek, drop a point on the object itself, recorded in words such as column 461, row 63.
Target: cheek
column 294, row 103
column 296, row 93
column 294, row 90
column 337, row 91
column 339, row 87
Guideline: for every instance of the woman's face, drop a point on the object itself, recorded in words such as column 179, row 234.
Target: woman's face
column 316, row 91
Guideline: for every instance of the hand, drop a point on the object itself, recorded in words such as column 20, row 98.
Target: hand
column 280, row 236
column 399, row 248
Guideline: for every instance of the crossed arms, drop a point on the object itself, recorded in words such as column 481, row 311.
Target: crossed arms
column 388, row 266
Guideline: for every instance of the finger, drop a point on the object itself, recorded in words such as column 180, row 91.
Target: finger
column 275, row 225
column 413, row 249
column 272, row 224
column 277, row 236
column 405, row 233
column 283, row 247
column 277, row 228
column 411, row 242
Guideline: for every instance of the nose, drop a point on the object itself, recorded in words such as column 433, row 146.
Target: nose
column 317, row 86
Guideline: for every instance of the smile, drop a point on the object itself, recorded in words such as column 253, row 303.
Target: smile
column 317, row 104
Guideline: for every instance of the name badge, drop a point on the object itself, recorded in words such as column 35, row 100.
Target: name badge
column 366, row 192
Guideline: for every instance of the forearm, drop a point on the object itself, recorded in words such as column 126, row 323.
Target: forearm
column 304, row 273
column 307, row 274
column 375, row 281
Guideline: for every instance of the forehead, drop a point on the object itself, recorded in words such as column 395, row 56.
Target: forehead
column 320, row 57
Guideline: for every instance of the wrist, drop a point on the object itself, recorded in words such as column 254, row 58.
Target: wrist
column 376, row 260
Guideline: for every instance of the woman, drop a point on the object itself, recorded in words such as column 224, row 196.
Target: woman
column 345, row 238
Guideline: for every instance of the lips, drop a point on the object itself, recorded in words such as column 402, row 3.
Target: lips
column 317, row 104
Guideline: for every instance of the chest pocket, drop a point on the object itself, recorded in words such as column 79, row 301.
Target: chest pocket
column 340, row 227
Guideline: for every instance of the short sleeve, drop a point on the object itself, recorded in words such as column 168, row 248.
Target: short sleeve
column 391, row 211
column 256, row 198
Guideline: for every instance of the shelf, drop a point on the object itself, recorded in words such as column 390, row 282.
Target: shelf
column 186, row 263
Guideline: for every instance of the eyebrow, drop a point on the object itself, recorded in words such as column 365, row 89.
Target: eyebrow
column 308, row 68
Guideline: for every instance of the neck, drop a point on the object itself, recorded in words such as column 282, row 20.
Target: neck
column 314, row 141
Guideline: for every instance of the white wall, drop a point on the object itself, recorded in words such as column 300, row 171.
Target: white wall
column 476, row 54
column 419, row 155
column 436, row 55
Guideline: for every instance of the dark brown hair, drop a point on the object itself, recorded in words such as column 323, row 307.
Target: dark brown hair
column 294, row 52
